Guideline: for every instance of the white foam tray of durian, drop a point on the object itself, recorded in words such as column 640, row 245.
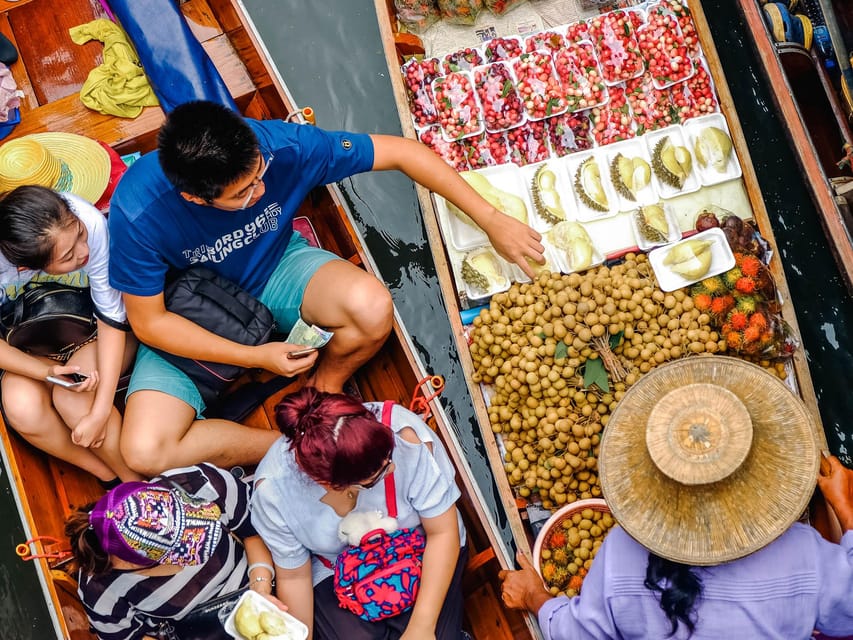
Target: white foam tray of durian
column 550, row 193
column 674, row 170
column 653, row 225
column 254, row 615
column 684, row 263
column 503, row 187
column 629, row 170
column 709, row 139
column 594, row 195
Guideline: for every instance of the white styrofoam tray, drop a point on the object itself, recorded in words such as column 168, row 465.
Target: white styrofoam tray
column 585, row 213
column 722, row 260
column 709, row 175
column 678, row 139
column 296, row 630
column 563, row 186
column 631, row 149
column 674, row 231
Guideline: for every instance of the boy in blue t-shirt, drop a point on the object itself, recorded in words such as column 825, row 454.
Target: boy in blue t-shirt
column 221, row 191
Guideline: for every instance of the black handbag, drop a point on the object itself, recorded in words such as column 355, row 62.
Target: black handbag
column 50, row 319
column 204, row 622
column 222, row 307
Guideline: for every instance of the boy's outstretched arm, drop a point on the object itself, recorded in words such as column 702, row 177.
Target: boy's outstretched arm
column 512, row 239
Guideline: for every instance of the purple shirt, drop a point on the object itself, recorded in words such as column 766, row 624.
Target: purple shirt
column 794, row 585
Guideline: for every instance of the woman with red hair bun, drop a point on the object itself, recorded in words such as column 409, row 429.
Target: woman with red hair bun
column 331, row 461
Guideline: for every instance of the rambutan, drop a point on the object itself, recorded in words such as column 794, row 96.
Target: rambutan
column 746, row 304
column 726, row 328
column 751, row 334
column 721, row 305
column 561, row 558
column 750, row 266
column 713, row 285
column 575, row 582
column 734, row 340
column 745, row 285
column 738, row 320
column 557, row 539
column 738, row 258
column 702, row 301
column 731, row 276
column 549, row 571
column 758, row 320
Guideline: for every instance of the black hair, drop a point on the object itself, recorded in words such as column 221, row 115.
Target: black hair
column 204, row 147
column 679, row 587
column 29, row 219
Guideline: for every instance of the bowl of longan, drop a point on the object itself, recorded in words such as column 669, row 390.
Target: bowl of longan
column 567, row 544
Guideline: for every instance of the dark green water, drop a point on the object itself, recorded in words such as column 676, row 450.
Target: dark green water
column 330, row 58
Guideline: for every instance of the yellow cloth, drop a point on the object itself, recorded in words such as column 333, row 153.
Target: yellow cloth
column 119, row 86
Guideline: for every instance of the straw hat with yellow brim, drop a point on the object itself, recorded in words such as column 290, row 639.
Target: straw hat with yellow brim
column 65, row 162
column 708, row 459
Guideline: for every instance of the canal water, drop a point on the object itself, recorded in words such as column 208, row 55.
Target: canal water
column 330, row 57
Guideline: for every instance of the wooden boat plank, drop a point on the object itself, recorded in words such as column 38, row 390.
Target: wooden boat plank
column 839, row 234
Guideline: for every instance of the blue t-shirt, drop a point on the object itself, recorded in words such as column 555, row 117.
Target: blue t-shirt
column 153, row 228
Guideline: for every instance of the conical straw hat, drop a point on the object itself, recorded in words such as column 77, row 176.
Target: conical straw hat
column 60, row 161
column 708, row 459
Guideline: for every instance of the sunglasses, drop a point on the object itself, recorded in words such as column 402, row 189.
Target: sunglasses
column 379, row 477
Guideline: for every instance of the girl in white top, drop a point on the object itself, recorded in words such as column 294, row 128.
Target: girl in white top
column 45, row 236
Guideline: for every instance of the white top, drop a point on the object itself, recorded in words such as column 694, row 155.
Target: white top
column 288, row 514
column 109, row 306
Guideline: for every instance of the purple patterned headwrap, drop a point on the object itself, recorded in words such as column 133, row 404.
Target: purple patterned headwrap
column 147, row 523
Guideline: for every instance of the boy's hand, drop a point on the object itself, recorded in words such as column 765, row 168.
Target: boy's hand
column 515, row 241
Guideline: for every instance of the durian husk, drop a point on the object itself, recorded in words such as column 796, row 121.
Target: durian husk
column 545, row 197
column 481, row 270
column 622, row 176
column 670, row 163
column 652, row 223
column 588, row 186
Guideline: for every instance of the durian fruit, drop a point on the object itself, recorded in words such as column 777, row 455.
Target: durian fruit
column 713, row 146
column 629, row 175
column 273, row 623
column 545, row 196
column 503, row 201
column 572, row 238
column 670, row 163
column 588, row 186
column 690, row 259
column 652, row 223
column 247, row 619
column 481, row 270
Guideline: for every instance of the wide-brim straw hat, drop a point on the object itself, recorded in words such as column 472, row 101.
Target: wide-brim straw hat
column 65, row 162
column 708, row 459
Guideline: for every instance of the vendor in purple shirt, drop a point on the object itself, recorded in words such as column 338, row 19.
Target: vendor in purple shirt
column 706, row 464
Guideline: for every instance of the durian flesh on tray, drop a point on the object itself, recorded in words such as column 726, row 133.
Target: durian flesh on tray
column 482, row 271
column 713, row 147
column 671, row 163
column 503, row 201
column 629, row 175
column 588, row 186
column 574, row 241
column 547, row 201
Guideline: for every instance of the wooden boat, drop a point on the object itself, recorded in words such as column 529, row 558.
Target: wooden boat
column 813, row 111
column 47, row 489
column 398, row 46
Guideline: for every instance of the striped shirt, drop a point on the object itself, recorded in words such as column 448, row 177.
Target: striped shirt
column 128, row 605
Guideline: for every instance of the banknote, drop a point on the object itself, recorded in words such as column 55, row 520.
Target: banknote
column 308, row 335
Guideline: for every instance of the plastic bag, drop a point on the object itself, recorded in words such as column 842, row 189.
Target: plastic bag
column 500, row 7
column 417, row 15
column 460, row 11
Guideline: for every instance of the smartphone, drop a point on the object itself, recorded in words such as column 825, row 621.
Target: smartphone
column 300, row 353
column 68, row 379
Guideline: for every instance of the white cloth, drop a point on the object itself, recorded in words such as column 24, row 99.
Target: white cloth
column 108, row 302
column 288, row 514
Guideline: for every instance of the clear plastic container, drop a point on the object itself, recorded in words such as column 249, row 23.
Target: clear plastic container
column 551, row 40
column 577, row 31
column 462, row 60
column 616, row 46
column 664, row 48
column 453, row 153
column 502, row 49
column 612, row 122
column 417, row 15
column 528, row 143
column 500, row 7
column 486, row 150
column 568, row 133
column 539, row 86
column 502, row 106
column 696, row 96
column 417, row 78
column 460, row 11
column 651, row 108
column 459, row 112
column 578, row 70
column 685, row 23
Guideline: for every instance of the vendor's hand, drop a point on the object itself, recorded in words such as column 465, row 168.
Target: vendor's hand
column 523, row 589
column 514, row 241
column 272, row 356
column 837, row 488
column 91, row 430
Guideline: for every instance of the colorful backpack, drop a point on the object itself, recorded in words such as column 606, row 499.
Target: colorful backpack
column 380, row 577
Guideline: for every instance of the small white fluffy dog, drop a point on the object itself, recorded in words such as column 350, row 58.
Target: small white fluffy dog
column 355, row 524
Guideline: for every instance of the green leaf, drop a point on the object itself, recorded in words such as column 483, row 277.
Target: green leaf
column 561, row 350
column 542, row 335
column 507, row 88
column 553, row 102
column 615, row 339
column 594, row 373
